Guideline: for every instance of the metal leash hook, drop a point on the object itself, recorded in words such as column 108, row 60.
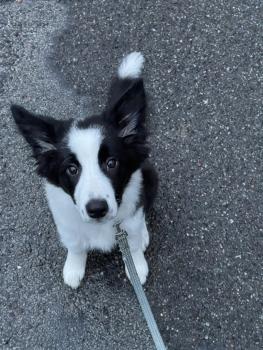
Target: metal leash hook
column 121, row 237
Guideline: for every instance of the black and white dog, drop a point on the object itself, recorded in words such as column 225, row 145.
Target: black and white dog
column 97, row 172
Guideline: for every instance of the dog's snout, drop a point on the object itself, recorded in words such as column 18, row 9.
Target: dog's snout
column 97, row 208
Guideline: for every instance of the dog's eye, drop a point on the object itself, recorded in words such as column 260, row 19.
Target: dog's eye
column 111, row 163
column 72, row 170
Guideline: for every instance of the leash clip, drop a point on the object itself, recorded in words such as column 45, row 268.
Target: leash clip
column 119, row 231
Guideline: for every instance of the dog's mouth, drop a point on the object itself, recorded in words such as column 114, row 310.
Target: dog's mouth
column 99, row 221
column 103, row 220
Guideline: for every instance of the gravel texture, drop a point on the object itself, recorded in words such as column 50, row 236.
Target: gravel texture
column 203, row 75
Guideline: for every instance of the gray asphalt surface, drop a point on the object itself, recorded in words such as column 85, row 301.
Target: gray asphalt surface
column 204, row 79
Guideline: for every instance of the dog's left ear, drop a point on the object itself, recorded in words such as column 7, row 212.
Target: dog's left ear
column 128, row 110
column 40, row 132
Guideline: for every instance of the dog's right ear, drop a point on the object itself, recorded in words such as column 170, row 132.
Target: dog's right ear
column 40, row 132
column 127, row 106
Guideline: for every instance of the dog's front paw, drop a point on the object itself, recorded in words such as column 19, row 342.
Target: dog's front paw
column 72, row 276
column 74, row 269
column 141, row 267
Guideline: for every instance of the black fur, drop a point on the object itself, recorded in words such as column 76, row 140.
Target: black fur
column 150, row 185
column 37, row 129
column 123, row 125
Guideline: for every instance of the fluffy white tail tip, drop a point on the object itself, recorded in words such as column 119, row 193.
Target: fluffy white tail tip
column 131, row 66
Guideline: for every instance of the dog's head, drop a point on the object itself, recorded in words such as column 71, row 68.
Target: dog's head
column 92, row 160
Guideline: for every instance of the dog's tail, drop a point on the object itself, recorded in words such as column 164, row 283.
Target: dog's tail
column 131, row 66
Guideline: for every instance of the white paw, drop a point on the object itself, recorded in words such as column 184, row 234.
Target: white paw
column 74, row 269
column 141, row 268
column 73, row 276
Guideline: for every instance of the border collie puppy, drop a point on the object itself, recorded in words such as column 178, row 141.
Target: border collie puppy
column 96, row 172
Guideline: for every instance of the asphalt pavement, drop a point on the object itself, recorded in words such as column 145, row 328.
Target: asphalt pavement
column 203, row 75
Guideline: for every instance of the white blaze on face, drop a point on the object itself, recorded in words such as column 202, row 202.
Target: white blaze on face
column 93, row 183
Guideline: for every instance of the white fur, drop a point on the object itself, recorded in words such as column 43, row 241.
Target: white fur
column 135, row 226
column 93, row 183
column 131, row 66
column 80, row 233
column 74, row 268
column 79, row 236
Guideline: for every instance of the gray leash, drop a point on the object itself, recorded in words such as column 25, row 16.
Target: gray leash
column 121, row 237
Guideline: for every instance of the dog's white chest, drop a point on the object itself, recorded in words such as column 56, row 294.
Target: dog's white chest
column 99, row 237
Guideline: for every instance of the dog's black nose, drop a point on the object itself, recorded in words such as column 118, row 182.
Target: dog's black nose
column 97, row 208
